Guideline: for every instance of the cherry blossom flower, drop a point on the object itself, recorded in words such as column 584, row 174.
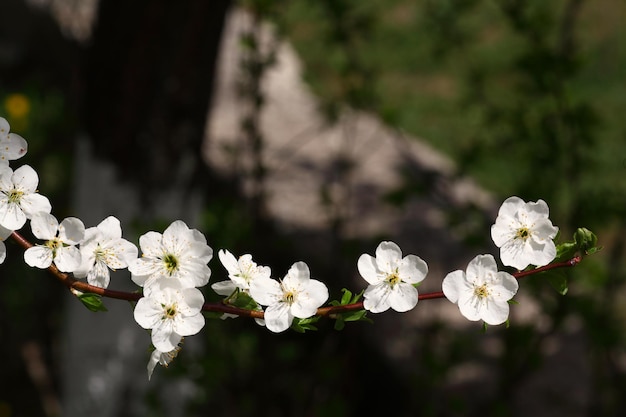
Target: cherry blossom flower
column 482, row 292
column 524, row 233
column 172, row 311
column 241, row 272
column 179, row 253
column 12, row 146
column 297, row 295
column 60, row 242
column 18, row 196
column 391, row 278
column 104, row 248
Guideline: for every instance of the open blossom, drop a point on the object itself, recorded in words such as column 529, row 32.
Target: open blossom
column 162, row 358
column 4, row 233
column 12, row 146
column 179, row 254
column 241, row 272
column 18, row 196
column 297, row 295
column 171, row 311
column 391, row 278
column 524, row 233
column 482, row 292
column 104, row 248
column 60, row 242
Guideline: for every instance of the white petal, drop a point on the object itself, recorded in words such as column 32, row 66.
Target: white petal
column 470, row 306
column 496, row 313
column 164, row 337
column 403, row 297
column 25, row 179
column 150, row 243
column 13, row 146
column 310, row 299
column 188, row 326
column 110, row 228
column 3, row 251
column 229, row 261
column 11, row 216
column 98, row 276
column 265, row 291
column 480, row 266
column 511, row 206
column 44, row 226
column 148, row 312
column 72, row 230
column 453, row 285
column 412, row 269
column 38, row 256
column 368, row 269
column 33, row 203
column 67, row 259
column 388, row 255
column 193, row 299
column 278, row 317
column 224, row 288
column 376, row 297
column 297, row 275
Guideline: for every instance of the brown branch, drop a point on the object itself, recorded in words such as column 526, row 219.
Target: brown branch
column 74, row 285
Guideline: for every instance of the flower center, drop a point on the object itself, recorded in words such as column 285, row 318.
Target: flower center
column 171, row 263
column 169, row 312
column 289, row 297
column 482, row 291
column 393, row 278
column 522, row 233
column 53, row 245
column 15, row 196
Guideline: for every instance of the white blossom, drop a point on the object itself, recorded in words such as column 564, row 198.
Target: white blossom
column 104, row 248
column 241, row 272
column 18, row 196
column 391, row 278
column 171, row 311
column 12, row 145
column 297, row 295
column 179, row 253
column 524, row 233
column 60, row 242
column 482, row 292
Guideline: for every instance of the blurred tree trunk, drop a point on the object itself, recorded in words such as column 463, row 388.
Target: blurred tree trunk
column 148, row 83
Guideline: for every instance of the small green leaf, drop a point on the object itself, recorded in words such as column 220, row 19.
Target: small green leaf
column 302, row 325
column 565, row 251
column 92, row 301
column 346, row 297
column 243, row 300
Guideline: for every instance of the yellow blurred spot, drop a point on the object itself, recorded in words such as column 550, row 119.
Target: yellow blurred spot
column 17, row 105
column 5, row 410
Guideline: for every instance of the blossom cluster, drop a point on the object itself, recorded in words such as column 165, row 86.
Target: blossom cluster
column 174, row 265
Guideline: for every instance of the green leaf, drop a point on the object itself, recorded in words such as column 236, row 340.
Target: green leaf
column 346, row 297
column 243, row 300
column 302, row 325
column 92, row 301
column 565, row 251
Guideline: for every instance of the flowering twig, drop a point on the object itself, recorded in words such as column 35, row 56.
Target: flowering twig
column 75, row 286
